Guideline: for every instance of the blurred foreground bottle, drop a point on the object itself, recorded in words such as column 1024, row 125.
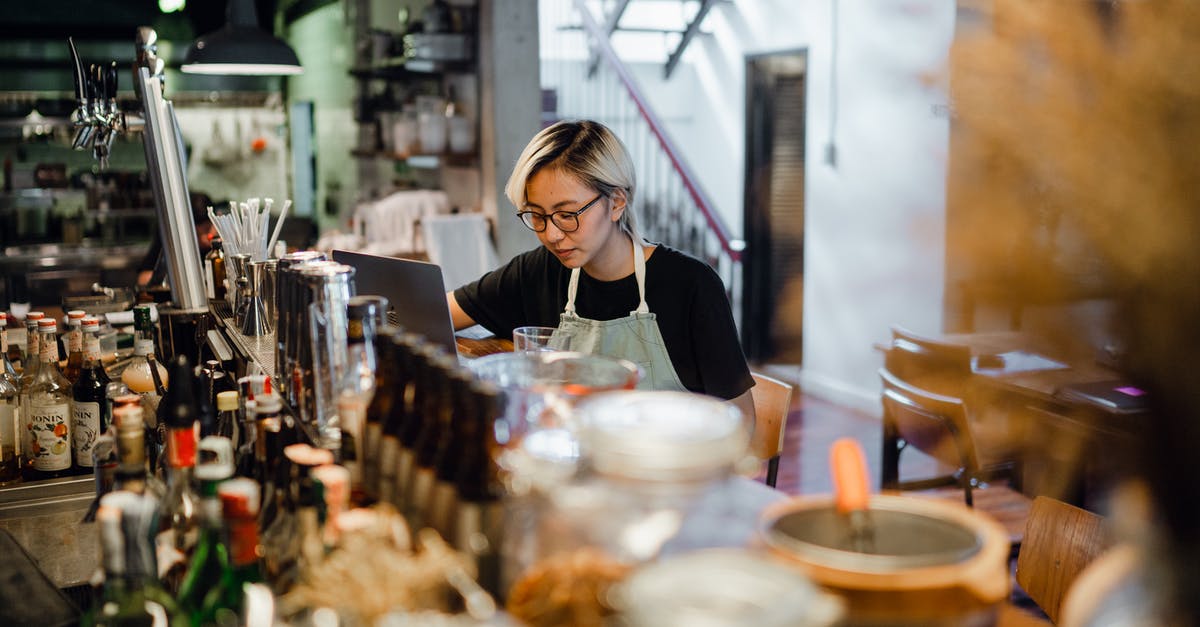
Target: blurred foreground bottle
column 49, row 406
column 224, row 603
column 178, row 526
column 10, row 423
column 357, row 386
column 210, row 558
column 90, row 413
column 131, row 593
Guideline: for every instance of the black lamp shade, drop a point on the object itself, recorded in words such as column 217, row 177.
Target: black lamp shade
column 241, row 48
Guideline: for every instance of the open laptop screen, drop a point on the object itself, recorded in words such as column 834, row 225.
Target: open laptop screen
column 414, row 289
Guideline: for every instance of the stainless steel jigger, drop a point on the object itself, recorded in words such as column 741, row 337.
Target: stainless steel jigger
column 255, row 321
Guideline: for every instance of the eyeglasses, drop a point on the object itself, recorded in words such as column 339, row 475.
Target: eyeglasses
column 566, row 221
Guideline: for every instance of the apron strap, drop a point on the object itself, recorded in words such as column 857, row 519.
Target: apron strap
column 639, row 270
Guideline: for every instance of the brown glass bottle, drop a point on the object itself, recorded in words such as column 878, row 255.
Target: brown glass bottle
column 392, row 461
column 73, row 343
column 437, row 412
column 90, row 412
column 214, row 268
column 451, row 445
column 478, row 527
column 377, row 412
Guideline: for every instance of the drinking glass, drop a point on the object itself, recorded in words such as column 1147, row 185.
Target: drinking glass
column 538, row 339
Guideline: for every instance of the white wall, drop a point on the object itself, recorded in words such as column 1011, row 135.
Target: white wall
column 875, row 221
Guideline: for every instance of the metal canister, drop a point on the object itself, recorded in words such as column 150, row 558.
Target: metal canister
column 286, row 286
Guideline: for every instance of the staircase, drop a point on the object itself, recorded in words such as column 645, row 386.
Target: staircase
column 592, row 81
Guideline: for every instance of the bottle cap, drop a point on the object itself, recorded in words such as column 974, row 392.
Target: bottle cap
column 91, row 323
column 305, row 455
column 35, row 315
column 227, row 401
column 268, row 403
column 76, row 314
column 215, row 459
column 239, row 498
column 47, row 324
column 3, row 319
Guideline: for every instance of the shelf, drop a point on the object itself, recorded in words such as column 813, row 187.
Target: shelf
column 421, row 162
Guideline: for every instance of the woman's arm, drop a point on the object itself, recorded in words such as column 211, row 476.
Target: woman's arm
column 459, row 317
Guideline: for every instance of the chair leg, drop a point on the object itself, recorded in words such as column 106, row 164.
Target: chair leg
column 772, row 470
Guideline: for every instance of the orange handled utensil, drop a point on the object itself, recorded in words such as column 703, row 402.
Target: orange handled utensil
column 851, row 491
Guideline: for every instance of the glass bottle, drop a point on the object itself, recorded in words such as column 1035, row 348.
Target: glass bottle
column 140, row 598
column 10, row 354
column 132, row 473
column 479, row 515
column 227, row 415
column 269, row 453
column 49, row 411
column 210, row 559
column 395, row 461
column 377, row 412
column 90, row 412
column 214, row 269
column 239, row 504
column 178, row 527
column 357, row 386
column 73, row 341
column 294, row 541
column 31, row 361
column 434, row 417
column 10, row 420
column 443, row 500
column 145, row 375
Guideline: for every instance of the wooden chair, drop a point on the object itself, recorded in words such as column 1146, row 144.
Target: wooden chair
column 1060, row 540
column 937, row 425
column 772, row 400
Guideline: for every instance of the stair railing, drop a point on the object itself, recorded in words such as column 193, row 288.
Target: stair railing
column 672, row 206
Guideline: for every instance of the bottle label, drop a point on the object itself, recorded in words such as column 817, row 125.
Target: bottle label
column 51, row 443
column 386, row 471
column 10, row 417
column 422, row 493
column 441, row 508
column 181, row 448
column 477, row 527
column 74, row 341
column 91, row 346
column 404, row 473
column 32, row 344
column 85, row 427
column 143, row 347
column 370, row 460
column 48, row 350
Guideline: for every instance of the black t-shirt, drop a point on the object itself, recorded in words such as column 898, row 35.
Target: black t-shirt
column 685, row 295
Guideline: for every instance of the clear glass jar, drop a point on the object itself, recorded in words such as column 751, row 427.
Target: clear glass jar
column 643, row 459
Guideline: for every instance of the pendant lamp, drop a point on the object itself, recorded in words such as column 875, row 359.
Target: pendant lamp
column 241, row 47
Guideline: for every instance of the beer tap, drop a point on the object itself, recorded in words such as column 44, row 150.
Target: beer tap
column 81, row 117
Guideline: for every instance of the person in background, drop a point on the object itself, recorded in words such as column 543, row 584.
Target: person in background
column 598, row 280
column 153, row 269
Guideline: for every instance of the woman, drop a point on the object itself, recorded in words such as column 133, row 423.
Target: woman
column 598, row 281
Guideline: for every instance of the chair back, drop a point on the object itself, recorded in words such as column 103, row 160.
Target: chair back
column 934, row 423
column 772, row 400
column 1060, row 540
column 933, row 365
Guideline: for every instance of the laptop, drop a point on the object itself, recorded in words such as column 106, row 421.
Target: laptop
column 414, row 289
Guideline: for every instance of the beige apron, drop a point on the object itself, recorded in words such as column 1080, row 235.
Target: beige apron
column 635, row 337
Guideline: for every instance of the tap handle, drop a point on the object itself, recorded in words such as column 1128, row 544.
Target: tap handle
column 110, row 82
column 77, row 70
column 98, row 94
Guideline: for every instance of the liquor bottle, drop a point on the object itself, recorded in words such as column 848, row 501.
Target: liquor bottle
column 395, row 461
column 214, row 270
column 239, row 504
column 443, row 500
column 31, row 361
column 73, row 341
column 90, row 412
column 269, row 454
column 10, row 354
column 478, row 528
column 140, row 600
column 49, row 406
column 357, row 385
column 110, row 606
column 132, row 473
column 335, row 487
column 105, row 461
column 435, row 420
column 377, row 411
column 144, row 375
column 10, row 417
column 178, row 527
column 227, row 415
column 295, row 542
column 214, row 465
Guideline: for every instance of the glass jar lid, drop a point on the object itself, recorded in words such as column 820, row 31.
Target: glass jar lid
column 662, row 436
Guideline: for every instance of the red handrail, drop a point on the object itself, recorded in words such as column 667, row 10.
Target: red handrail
column 605, row 50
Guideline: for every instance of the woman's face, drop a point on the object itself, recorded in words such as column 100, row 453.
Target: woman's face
column 550, row 190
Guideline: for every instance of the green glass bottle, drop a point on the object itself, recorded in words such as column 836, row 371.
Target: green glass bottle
column 131, row 594
column 210, row 559
column 224, row 603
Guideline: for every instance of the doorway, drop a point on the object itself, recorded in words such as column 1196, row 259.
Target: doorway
column 773, row 269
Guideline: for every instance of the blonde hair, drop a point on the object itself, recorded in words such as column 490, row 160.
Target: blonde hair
column 587, row 150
